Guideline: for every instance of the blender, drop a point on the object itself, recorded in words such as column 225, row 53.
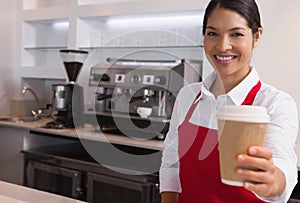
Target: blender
column 67, row 99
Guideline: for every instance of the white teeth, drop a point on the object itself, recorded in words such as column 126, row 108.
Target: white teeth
column 224, row 58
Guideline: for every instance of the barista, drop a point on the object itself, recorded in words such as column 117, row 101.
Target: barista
column 231, row 30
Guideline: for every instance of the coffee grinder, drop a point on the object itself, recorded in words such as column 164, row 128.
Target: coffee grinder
column 67, row 99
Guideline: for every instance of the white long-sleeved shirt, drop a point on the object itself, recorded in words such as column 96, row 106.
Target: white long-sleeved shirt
column 281, row 136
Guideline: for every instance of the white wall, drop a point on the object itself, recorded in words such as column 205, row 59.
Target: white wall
column 277, row 59
column 7, row 26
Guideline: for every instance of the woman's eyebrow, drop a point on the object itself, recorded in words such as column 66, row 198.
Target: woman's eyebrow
column 210, row 27
column 232, row 29
column 237, row 28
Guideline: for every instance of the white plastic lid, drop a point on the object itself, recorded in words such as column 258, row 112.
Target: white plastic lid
column 244, row 113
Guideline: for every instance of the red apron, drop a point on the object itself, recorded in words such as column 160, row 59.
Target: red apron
column 199, row 163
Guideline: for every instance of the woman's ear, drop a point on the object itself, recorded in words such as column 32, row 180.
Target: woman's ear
column 257, row 37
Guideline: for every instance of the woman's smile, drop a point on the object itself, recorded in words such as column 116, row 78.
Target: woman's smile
column 225, row 59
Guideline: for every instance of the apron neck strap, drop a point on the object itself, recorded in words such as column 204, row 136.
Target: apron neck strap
column 193, row 106
column 252, row 94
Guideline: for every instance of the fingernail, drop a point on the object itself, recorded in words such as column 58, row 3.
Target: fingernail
column 252, row 151
column 239, row 171
column 241, row 158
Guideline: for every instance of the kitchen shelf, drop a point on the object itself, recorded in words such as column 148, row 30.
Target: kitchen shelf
column 41, row 41
column 47, row 26
column 45, row 48
column 112, row 32
column 39, row 57
column 144, row 47
column 50, row 33
column 42, row 72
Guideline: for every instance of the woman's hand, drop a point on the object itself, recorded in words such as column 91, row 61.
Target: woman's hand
column 268, row 181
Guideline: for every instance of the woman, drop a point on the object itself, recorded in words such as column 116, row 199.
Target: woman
column 190, row 164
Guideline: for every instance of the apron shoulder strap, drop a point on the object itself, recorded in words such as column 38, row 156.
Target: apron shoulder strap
column 192, row 107
column 252, row 94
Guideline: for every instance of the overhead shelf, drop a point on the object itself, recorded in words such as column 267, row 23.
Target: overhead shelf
column 49, row 48
column 144, row 47
column 46, row 26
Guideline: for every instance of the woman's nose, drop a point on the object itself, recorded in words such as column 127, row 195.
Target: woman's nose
column 224, row 44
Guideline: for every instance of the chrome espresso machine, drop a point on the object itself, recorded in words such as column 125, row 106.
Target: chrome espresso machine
column 136, row 97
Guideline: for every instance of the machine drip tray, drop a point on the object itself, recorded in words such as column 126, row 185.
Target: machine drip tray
column 132, row 126
column 54, row 125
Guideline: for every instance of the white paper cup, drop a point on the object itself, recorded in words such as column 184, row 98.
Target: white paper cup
column 239, row 127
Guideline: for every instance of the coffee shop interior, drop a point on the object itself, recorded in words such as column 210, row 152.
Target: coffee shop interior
column 87, row 89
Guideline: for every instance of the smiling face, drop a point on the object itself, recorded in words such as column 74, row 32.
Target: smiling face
column 228, row 44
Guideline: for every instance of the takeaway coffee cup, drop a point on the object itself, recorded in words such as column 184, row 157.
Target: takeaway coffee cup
column 239, row 127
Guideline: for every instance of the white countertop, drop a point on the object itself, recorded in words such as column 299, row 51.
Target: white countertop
column 88, row 132
column 11, row 193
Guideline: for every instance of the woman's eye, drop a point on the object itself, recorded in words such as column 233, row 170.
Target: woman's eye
column 237, row 34
column 211, row 34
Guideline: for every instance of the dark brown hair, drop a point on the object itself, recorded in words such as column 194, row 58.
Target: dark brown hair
column 246, row 8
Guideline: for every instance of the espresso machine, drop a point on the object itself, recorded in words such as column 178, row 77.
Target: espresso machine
column 136, row 97
column 67, row 99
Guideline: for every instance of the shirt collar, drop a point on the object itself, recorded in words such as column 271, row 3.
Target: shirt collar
column 207, row 83
column 239, row 92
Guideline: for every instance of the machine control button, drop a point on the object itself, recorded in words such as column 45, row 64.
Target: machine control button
column 160, row 80
column 105, row 78
column 119, row 78
column 136, row 79
column 148, row 79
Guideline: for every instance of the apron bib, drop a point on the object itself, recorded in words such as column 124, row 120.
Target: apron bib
column 199, row 163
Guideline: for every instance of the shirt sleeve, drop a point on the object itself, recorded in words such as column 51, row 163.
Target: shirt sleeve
column 169, row 170
column 281, row 139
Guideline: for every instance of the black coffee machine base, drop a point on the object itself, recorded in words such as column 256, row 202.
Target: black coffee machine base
column 68, row 104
